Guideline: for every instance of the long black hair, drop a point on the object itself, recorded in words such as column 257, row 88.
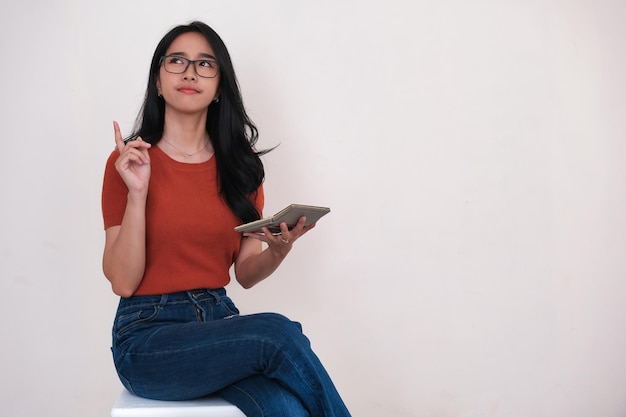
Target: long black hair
column 233, row 135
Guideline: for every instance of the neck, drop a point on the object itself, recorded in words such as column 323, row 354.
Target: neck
column 186, row 131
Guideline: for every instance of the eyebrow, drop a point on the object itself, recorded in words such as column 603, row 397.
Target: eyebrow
column 202, row 55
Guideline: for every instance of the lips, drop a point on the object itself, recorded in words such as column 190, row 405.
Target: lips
column 188, row 90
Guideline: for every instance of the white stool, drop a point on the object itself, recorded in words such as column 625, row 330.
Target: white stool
column 128, row 405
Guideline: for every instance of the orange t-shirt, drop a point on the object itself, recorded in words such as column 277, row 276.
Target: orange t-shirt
column 190, row 238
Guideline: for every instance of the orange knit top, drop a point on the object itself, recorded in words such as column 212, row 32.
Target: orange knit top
column 190, row 238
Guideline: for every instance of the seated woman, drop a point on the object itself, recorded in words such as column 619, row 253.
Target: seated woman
column 173, row 192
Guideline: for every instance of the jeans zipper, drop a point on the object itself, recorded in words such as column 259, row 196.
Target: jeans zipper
column 199, row 314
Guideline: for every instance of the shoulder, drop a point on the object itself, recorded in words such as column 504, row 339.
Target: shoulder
column 113, row 157
column 110, row 164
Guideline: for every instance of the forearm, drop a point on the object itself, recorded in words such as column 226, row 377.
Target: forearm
column 124, row 257
column 255, row 268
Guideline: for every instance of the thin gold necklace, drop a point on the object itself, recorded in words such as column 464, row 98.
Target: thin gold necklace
column 189, row 155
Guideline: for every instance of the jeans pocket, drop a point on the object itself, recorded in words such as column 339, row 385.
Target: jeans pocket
column 129, row 320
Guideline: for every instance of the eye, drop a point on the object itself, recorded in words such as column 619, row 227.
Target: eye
column 207, row 64
column 175, row 60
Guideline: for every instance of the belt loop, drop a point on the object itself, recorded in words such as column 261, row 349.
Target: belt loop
column 163, row 300
column 216, row 295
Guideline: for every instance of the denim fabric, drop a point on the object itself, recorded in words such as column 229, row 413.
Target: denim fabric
column 189, row 344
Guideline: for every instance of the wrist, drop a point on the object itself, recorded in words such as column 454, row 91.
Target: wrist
column 137, row 198
column 279, row 253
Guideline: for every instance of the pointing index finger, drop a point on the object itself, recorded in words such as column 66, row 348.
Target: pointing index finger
column 119, row 141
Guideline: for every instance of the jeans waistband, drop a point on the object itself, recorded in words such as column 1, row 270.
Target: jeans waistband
column 175, row 297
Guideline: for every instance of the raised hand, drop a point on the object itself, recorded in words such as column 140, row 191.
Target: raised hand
column 133, row 164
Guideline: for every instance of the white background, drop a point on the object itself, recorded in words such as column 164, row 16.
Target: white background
column 473, row 154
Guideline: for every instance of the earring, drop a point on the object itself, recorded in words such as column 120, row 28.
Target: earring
column 217, row 100
column 159, row 94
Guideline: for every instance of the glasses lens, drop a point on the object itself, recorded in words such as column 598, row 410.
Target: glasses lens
column 175, row 64
column 206, row 68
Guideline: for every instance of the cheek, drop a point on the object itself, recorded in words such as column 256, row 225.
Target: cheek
column 217, row 87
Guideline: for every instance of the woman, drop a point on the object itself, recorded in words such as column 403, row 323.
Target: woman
column 172, row 194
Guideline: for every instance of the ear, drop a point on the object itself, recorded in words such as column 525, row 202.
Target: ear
column 158, row 86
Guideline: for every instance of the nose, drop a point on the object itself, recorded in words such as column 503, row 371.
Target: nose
column 190, row 73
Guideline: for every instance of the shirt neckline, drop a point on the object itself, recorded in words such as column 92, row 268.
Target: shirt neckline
column 184, row 166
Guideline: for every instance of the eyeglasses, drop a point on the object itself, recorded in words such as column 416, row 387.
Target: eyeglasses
column 205, row 68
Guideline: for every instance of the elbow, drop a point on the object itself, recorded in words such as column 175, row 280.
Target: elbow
column 122, row 283
column 242, row 278
column 246, row 285
column 123, row 292
column 121, row 286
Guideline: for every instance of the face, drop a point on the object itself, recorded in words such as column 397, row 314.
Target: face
column 188, row 92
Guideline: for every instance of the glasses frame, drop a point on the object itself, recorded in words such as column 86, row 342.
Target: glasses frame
column 189, row 62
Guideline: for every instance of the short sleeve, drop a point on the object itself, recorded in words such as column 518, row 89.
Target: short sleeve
column 114, row 194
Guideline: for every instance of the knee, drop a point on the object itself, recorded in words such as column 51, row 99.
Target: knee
column 281, row 321
column 281, row 327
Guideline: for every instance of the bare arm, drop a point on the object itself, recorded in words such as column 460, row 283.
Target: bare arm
column 253, row 264
column 124, row 257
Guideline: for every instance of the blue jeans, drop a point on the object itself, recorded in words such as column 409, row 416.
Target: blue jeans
column 190, row 344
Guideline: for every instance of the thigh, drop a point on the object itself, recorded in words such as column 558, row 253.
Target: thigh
column 187, row 360
column 259, row 396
